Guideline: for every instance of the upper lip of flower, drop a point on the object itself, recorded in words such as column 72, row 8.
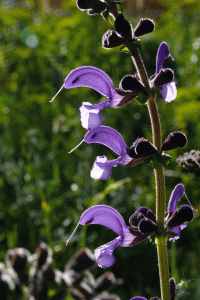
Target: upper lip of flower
column 168, row 91
column 173, row 201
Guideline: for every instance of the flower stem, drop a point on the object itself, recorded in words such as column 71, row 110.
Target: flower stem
column 137, row 60
column 163, row 267
column 161, row 240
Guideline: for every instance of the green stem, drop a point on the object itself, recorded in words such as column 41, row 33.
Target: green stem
column 161, row 243
column 139, row 66
column 161, row 240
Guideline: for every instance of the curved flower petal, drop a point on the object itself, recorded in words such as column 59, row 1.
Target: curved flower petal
column 104, row 215
column 109, row 137
column 162, row 54
column 104, row 254
column 90, row 77
column 102, row 167
column 175, row 196
column 169, row 91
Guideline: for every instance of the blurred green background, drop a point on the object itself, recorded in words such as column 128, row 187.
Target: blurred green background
column 43, row 189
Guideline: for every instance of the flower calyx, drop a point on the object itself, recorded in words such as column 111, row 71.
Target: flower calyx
column 92, row 6
column 174, row 140
column 144, row 220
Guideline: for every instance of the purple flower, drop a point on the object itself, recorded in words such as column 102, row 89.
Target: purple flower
column 168, row 90
column 112, row 219
column 177, row 218
column 112, row 139
column 98, row 80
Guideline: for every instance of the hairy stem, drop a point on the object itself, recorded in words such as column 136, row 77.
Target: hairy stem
column 161, row 240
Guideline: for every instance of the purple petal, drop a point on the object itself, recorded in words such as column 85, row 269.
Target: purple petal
column 163, row 53
column 175, row 196
column 104, row 215
column 109, row 137
column 104, row 254
column 90, row 77
column 90, row 117
column 102, row 167
column 169, row 91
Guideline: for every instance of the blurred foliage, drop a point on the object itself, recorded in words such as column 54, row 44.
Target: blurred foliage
column 44, row 189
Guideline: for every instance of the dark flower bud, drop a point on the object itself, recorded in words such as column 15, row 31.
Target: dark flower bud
column 131, row 83
column 144, row 26
column 163, row 77
column 82, row 260
column 172, row 285
column 111, row 39
column 93, row 6
column 144, row 148
column 141, row 148
column 180, row 216
column 104, row 282
column 136, row 218
column 44, row 254
column 147, row 226
column 18, row 259
column 174, row 140
column 147, row 213
column 141, row 213
column 123, row 27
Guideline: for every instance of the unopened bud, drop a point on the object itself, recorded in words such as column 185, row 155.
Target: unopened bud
column 147, row 226
column 111, row 39
column 132, row 83
column 92, row 6
column 174, row 140
column 104, row 282
column 82, row 260
column 135, row 219
column 182, row 215
column 144, row 26
column 163, row 77
column 144, row 148
column 123, row 27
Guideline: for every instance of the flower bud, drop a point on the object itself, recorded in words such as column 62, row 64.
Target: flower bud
column 180, row 216
column 135, row 219
column 92, row 6
column 104, row 282
column 163, row 77
column 147, row 226
column 174, row 140
column 144, row 148
column 132, row 83
column 144, row 26
column 111, row 39
column 123, row 27
column 44, row 254
column 82, row 260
